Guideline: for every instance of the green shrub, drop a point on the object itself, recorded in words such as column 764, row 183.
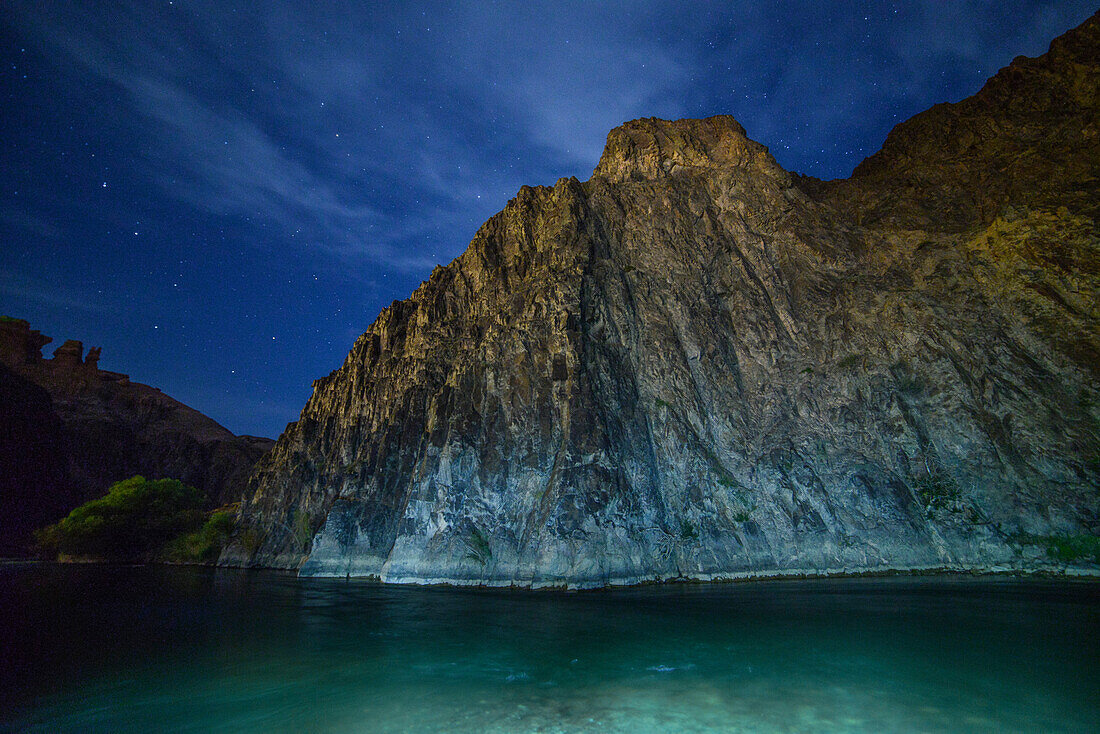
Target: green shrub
column 937, row 489
column 132, row 521
column 303, row 529
column 477, row 547
column 688, row 530
column 716, row 466
column 852, row 360
column 5, row 319
column 1069, row 548
column 205, row 544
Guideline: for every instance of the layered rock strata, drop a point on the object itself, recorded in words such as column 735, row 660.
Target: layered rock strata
column 698, row 365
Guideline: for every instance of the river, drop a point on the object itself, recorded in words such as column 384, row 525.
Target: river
column 142, row 649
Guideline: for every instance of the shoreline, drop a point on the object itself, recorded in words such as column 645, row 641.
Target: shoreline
column 1065, row 572
column 743, row 577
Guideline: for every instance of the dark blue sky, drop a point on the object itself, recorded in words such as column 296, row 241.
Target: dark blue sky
column 224, row 195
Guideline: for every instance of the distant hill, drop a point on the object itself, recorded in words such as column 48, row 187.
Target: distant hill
column 68, row 430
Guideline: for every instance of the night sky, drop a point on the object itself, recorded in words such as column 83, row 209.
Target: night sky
column 225, row 195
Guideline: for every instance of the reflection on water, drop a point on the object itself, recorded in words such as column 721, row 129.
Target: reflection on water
column 180, row 649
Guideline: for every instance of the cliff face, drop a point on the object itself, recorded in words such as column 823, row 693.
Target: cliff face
column 69, row 430
column 696, row 364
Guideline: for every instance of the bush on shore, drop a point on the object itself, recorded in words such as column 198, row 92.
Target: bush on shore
column 203, row 545
column 140, row 519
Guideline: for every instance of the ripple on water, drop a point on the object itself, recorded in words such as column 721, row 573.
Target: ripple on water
column 116, row 650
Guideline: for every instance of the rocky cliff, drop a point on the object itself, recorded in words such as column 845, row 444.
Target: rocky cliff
column 698, row 365
column 68, row 430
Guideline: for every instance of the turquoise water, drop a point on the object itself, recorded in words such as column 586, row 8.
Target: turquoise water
column 116, row 649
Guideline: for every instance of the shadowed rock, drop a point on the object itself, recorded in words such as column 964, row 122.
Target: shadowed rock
column 69, row 430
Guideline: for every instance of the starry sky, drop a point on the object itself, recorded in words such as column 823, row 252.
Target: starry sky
column 224, row 195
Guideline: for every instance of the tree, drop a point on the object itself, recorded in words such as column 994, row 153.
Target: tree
column 132, row 521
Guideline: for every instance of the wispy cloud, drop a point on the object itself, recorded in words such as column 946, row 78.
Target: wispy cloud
column 286, row 168
column 555, row 71
column 30, row 223
column 16, row 287
column 280, row 166
column 232, row 166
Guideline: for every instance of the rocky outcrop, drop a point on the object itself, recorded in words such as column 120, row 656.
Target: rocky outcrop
column 698, row 365
column 69, row 430
column 1030, row 135
column 34, row 490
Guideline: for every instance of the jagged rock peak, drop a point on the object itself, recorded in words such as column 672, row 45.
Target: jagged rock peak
column 19, row 343
column 1078, row 44
column 69, row 355
column 652, row 148
column 945, row 167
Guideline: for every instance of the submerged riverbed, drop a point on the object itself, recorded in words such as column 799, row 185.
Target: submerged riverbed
column 114, row 649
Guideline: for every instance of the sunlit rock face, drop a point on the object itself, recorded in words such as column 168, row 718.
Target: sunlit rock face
column 696, row 364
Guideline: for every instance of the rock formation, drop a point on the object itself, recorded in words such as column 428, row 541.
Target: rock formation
column 698, row 365
column 68, row 430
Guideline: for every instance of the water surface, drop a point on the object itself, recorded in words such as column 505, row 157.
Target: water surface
column 117, row 649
